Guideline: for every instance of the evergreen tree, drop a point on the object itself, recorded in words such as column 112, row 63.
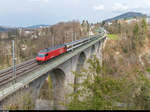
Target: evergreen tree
column 136, row 30
column 83, row 23
column 99, row 91
column 144, row 26
column 135, row 39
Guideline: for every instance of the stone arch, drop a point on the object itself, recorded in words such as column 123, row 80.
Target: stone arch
column 36, row 86
column 57, row 79
column 58, row 82
column 92, row 50
column 81, row 60
column 58, row 75
column 80, row 63
column 99, row 45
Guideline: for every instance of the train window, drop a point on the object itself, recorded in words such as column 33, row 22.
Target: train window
column 46, row 54
column 41, row 55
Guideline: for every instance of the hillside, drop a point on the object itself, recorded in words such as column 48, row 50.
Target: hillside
column 2, row 29
column 126, row 16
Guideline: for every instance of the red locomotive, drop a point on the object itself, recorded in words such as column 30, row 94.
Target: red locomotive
column 48, row 53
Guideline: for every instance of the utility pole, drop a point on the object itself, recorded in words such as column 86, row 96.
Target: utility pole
column 89, row 35
column 54, row 41
column 72, row 50
column 75, row 36
column 14, row 60
column 72, row 40
column 66, row 37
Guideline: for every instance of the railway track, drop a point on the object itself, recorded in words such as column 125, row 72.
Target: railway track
column 21, row 69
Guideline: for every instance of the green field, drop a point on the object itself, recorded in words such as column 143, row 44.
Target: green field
column 113, row 36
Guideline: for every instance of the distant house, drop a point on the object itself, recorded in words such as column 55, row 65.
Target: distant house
column 148, row 20
column 138, row 19
column 24, row 47
column 91, row 33
column 131, row 20
column 109, row 23
column 28, row 32
column 34, row 36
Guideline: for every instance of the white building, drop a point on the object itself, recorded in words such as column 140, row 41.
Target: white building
column 148, row 20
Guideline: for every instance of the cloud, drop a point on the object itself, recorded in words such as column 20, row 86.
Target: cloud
column 120, row 7
column 146, row 2
column 98, row 7
column 39, row 0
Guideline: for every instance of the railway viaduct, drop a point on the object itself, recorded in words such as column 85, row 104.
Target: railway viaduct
column 60, row 70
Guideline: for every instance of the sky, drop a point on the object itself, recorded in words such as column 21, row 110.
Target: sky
column 20, row 13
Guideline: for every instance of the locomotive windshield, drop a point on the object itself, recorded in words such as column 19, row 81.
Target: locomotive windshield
column 41, row 55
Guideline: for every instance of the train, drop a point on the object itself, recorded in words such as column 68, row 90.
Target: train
column 49, row 53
